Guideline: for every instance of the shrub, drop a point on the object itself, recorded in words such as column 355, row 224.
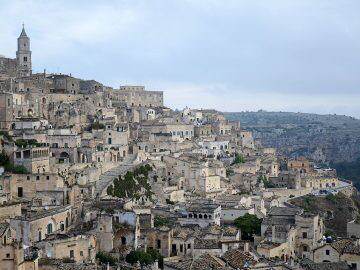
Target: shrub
column 238, row 159
column 161, row 221
column 105, row 258
column 249, row 225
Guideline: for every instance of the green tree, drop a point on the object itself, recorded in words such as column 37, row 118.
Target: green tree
column 161, row 221
column 249, row 225
column 105, row 258
column 9, row 166
column 142, row 257
column 238, row 159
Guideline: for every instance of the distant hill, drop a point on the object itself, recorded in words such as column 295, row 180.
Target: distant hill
column 324, row 138
column 329, row 139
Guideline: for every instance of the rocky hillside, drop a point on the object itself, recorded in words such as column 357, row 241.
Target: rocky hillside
column 324, row 138
column 336, row 210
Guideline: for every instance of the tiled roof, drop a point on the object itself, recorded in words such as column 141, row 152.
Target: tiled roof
column 204, row 262
column 339, row 245
column 206, row 244
column 238, row 259
column 283, row 211
column 352, row 249
column 310, row 265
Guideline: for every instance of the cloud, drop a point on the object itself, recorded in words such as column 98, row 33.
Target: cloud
column 234, row 54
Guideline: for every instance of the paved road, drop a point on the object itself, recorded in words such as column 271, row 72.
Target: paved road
column 108, row 177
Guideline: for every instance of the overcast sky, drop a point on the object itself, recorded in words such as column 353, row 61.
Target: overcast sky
column 288, row 55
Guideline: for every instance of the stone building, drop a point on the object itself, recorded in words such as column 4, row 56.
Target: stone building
column 136, row 96
column 23, row 55
column 34, row 227
column 202, row 214
column 80, row 248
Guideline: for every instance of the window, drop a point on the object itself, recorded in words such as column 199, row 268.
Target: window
column 28, row 177
column 123, row 240
column 304, row 234
column 181, row 247
column 25, row 59
column 49, row 228
column 81, row 253
column 47, row 177
column 38, row 177
column 71, row 254
column 20, row 192
column 158, row 243
column 189, row 245
column 7, row 255
column 62, row 227
column 353, row 266
column 305, row 248
column 327, row 252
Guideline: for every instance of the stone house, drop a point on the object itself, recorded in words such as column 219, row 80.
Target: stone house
column 79, row 247
column 203, row 214
column 342, row 250
column 34, row 227
column 34, row 159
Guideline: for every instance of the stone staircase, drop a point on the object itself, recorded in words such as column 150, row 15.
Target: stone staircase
column 108, row 177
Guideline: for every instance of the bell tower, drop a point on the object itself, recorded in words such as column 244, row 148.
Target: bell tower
column 23, row 55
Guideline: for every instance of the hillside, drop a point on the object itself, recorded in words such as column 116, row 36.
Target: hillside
column 336, row 210
column 330, row 139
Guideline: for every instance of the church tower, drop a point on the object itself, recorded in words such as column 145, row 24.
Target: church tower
column 23, row 55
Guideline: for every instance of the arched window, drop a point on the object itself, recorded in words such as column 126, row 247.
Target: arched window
column 123, row 240
column 205, row 216
column 190, row 215
column 200, row 216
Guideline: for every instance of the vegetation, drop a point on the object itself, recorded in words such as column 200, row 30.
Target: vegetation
column 134, row 184
column 349, row 170
column 6, row 135
column 9, row 166
column 97, row 125
column 267, row 183
column 105, row 258
column 329, row 233
column 331, row 197
column 238, row 159
column 144, row 258
column 25, row 143
column 229, row 172
column 337, row 210
column 249, row 225
column 160, row 221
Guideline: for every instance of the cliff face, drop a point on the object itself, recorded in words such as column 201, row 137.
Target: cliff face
column 323, row 138
column 336, row 210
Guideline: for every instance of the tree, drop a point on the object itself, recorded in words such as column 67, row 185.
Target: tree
column 9, row 166
column 160, row 221
column 105, row 258
column 238, row 159
column 142, row 257
column 249, row 225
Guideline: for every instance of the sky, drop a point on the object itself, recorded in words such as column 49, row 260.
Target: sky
column 231, row 55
